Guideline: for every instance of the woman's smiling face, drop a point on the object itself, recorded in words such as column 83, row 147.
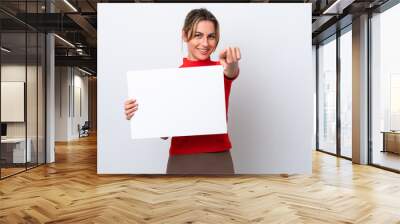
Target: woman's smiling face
column 203, row 42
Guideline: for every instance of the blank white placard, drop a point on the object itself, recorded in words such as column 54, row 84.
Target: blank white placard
column 178, row 102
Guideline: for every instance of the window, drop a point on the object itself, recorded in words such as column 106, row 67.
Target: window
column 385, row 88
column 346, row 93
column 327, row 96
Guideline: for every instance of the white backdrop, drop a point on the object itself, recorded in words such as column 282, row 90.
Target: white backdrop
column 271, row 105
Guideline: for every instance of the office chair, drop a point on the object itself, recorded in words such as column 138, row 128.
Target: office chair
column 84, row 130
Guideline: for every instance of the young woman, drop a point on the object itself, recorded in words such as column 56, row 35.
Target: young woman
column 201, row 154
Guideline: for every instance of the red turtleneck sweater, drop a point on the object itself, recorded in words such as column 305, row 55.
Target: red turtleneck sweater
column 203, row 143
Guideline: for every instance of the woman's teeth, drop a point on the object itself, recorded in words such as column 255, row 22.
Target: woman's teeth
column 203, row 51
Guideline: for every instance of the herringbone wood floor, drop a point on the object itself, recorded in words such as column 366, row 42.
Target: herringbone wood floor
column 70, row 191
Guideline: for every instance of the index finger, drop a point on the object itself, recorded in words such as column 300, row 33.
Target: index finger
column 130, row 101
column 222, row 54
column 238, row 55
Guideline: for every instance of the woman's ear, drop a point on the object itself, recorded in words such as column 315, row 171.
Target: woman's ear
column 184, row 37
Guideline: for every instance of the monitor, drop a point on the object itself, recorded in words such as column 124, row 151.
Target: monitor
column 3, row 129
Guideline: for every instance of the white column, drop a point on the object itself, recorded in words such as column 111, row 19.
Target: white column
column 50, row 92
column 360, row 90
column 50, row 110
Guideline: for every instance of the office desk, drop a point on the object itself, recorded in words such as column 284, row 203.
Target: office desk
column 13, row 150
column 391, row 141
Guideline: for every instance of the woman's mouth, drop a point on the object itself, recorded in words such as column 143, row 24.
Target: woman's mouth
column 203, row 51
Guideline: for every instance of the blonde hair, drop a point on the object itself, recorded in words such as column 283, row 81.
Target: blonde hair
column 194, row 17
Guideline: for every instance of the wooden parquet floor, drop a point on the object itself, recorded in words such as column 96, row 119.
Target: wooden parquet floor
column 70, row 191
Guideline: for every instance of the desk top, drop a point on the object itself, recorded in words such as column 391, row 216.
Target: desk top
column 390, row 132
column 14, row 140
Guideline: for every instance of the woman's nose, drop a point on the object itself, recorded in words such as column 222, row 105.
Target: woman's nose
column 204, row 42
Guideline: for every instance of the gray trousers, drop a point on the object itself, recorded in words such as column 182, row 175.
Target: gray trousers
column 201, row 163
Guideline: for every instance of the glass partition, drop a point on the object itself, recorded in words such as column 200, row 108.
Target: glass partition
column 32, row 95
column 13, row 108
column 327, row 96
column 22, row 67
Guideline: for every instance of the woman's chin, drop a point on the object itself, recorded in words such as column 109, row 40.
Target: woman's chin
column 203, row 57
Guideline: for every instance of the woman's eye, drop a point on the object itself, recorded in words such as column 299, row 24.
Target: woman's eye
column 197, row 35
column 211, row 37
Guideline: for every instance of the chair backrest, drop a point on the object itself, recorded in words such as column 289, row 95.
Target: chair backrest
column 86, row 124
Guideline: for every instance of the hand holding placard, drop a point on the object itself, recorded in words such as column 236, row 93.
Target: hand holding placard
column 130, row 107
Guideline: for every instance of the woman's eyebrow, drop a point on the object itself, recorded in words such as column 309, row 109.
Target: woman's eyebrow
column 197, row 32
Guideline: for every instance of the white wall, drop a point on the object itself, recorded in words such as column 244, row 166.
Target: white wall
column 80, row 84
column 12, row 73
column 271, row 105
column 68, row 82
column 16, row 72
column 61, row 103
